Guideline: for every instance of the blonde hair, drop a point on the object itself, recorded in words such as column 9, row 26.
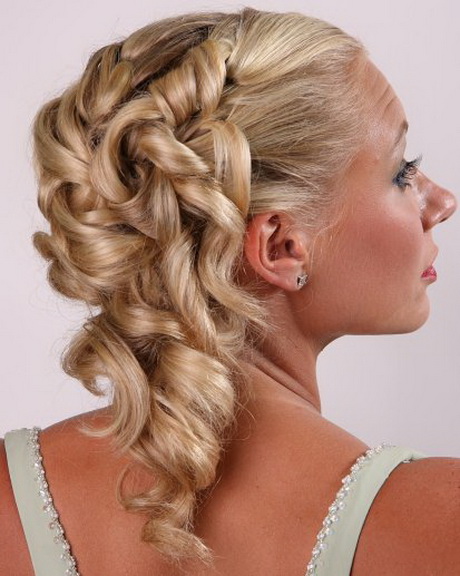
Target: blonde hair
column 149, row 169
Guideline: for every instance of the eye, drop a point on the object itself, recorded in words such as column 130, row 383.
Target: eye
column 406, row 172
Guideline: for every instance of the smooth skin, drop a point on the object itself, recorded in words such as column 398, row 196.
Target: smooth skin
column 286, row 461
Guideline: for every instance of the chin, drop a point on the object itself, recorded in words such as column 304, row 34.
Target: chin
column 400, row 322
column 414, row 322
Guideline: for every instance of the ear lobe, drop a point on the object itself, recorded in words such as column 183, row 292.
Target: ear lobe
column 277, row 250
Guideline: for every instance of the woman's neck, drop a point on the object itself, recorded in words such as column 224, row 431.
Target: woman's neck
column 287, row 363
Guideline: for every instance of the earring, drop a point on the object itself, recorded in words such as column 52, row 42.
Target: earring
column 302, row 280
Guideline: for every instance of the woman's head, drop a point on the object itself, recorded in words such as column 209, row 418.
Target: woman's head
column 369, row 270
column 150, row 168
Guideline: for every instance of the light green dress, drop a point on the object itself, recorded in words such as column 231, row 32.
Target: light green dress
column 332, row 555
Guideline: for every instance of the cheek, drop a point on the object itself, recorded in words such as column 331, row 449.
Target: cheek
column 387, row 245
column 367, row 275
column 377, row 257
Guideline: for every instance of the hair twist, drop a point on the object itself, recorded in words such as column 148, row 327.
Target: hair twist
column 149, row 168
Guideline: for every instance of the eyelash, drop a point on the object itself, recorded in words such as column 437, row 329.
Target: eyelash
column 407, row 171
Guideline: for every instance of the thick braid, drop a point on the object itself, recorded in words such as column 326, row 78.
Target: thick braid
column 149, row 169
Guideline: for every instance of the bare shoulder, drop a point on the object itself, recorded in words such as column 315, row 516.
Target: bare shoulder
column 82, row 466
column 14, row 556
column 83, row 471
column 76, row 452
column 413, row 527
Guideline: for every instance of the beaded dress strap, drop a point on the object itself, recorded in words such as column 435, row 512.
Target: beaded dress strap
column 49, row 549
column 337, row 540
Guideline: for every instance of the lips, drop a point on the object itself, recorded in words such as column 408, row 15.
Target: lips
column 430, row 273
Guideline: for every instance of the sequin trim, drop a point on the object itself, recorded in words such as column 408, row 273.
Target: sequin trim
column 48, row 505
column 335, row 509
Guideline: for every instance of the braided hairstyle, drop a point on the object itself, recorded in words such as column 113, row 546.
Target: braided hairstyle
column 149, row 168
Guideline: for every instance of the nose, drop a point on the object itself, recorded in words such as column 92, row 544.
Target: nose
column 438, row 204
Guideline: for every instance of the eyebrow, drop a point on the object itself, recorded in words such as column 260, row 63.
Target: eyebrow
column 402, row 131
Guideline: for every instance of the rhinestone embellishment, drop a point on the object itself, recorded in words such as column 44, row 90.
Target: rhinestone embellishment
column 48, row 505
column 335, row 509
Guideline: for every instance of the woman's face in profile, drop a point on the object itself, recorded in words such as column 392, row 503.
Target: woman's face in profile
column 373, row 270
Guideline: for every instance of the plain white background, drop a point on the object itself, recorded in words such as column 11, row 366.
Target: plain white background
column 401, row 389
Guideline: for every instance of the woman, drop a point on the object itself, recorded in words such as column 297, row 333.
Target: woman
column 229, row 194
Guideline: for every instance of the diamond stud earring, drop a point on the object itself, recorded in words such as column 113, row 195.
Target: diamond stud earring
column 302, row 280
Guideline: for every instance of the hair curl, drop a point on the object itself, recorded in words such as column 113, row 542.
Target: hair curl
column 149, row 169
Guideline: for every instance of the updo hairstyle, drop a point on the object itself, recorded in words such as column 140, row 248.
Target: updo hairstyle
column 149, row 169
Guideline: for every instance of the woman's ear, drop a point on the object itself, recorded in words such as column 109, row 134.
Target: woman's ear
column 277, row 249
